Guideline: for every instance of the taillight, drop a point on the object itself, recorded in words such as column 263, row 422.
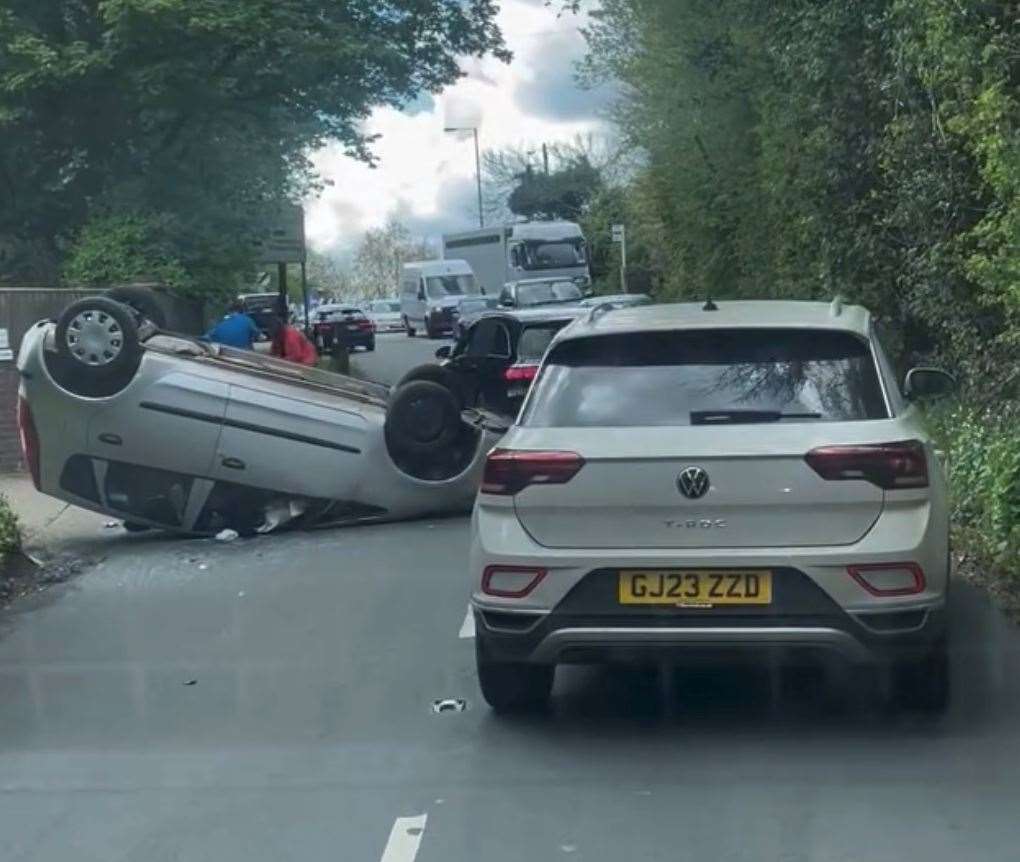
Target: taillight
column 518, row 373
column 509, row 472
column 889, row 579
column 511, row 582
column 366, row 325
column 29, row 438
column 888, row 465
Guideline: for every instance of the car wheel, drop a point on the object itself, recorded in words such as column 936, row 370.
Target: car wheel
column 513, row 687
column 922, row 684
column 430, row 332
column 436, row 374
column 423, row 418
column 370, row 345
column 98, row 338
column 143, row 301
column 408, row 328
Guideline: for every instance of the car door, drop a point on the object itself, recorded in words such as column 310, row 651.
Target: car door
column 152, row 446
column 292, row 439
column 484, row 355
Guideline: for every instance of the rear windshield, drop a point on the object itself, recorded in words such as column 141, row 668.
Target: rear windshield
column 707, row 377
column 535, row 339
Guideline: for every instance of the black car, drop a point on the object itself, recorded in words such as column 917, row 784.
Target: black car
column 534, row 292
column 262, row 308
column 349, row 325
column 492, row 364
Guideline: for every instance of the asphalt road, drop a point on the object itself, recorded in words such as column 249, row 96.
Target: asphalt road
column 272, row 699
column 393, row 356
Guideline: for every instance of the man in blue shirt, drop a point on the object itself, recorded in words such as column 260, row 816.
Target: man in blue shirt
column 235, row 330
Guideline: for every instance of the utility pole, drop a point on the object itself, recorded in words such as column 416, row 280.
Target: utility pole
column 620, row 236
column 478, row 166
column 478, row 179
column 545, row 158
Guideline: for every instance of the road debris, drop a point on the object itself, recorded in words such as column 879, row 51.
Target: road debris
column 227, row 535
column 449, row 704
column 112, row 525
column 191, row 682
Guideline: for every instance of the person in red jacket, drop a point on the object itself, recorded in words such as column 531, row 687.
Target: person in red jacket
column 290, row 343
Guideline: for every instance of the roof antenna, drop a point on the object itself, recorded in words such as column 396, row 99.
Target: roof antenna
column 836, row 306
column 709, row 305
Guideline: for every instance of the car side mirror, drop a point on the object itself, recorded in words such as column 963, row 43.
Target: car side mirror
column 444, row 352
column 928, row 383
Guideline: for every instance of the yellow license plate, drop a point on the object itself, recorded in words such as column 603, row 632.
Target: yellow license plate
column 699, row 588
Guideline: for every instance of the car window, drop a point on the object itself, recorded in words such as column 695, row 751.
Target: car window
column 437, row 286
column 535, row 340
column 500, row 341
column 683, row 378
column 480, row 339
column 547, row 291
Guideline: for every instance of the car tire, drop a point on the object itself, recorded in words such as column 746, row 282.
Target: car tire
column 423, row 418
column 408, row 328
column 922, row 684
column 430, row 332
column 435, row 374
column 513, row 687
column 370, row 345
column 114, row 330
column 143, row 301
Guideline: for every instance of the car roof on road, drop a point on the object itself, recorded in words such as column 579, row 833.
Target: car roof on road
column 546, row 314
column 729, row 313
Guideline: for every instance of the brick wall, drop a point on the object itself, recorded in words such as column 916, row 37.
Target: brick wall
column 10, row 450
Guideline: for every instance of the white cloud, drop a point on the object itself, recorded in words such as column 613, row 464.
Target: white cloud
column 423, row 173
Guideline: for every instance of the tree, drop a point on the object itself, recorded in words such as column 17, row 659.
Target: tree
column 200, row 111
column 516, row 186
column 381, row 256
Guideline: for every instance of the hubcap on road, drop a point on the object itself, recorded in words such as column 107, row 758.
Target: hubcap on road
column 94, row 338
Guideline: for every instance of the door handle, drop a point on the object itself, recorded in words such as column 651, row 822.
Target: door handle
column 112, row 439
column 233, row 463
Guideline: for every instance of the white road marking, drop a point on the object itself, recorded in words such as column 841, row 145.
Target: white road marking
column 467, row 628
column 405, row 838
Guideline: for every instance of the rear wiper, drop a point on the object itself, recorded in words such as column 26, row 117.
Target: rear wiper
column 739, row 417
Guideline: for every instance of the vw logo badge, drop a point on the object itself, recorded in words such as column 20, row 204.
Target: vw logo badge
column 692, row 482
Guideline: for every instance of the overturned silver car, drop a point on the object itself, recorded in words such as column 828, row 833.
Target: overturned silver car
column 165, row 430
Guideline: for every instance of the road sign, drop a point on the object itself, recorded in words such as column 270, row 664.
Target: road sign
column 619, row 232
column 620, row 236
column 282, row 238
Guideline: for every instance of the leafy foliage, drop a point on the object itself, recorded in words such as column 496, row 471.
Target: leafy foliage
column 10, row 529
column 380, row 258
column 197, row 114
column 870, row 149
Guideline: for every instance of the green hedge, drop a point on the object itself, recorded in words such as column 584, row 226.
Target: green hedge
column 984, row 474
column 10, row 532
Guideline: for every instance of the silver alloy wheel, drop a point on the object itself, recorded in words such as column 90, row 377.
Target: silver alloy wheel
column 94, row 338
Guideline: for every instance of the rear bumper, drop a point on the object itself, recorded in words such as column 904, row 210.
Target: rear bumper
column 557, row 639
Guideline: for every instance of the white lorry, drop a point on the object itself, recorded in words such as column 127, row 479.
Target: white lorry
column 430, row 294
column 512, row 252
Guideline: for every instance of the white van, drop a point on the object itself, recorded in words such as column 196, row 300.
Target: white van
column 430, row 293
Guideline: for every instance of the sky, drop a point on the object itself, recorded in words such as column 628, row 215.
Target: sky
column 425, row 176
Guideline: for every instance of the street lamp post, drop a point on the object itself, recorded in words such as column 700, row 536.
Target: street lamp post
column 478, row 166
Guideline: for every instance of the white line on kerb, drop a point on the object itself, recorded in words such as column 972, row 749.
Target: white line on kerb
column 405, row 838
column 467, row 628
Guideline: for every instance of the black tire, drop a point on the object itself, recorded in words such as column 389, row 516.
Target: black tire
column 922, row 684
column 90, row 366
column 370, row 345
column 408, row 328
column 430, row 330
column 423, row 418
column 509, row 688
column 435, row 374
column 143, row 301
